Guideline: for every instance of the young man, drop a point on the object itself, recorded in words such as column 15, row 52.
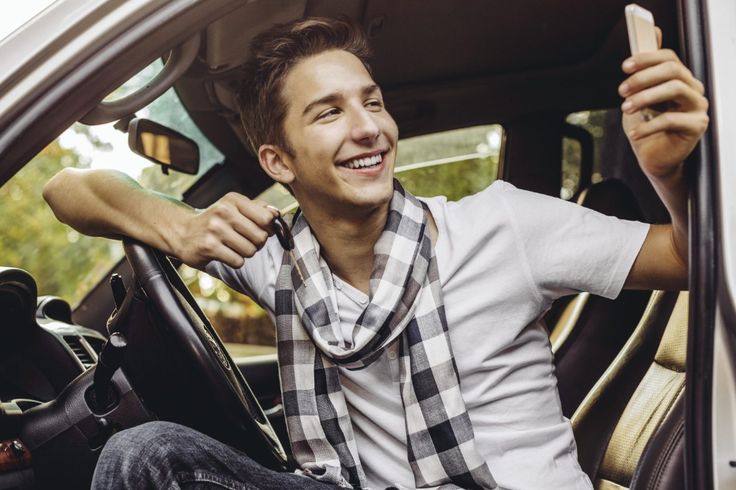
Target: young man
column 409, row 348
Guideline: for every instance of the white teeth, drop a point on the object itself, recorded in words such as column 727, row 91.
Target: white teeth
column 365, row 162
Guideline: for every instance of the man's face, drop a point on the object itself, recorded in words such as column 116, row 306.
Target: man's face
column 343, row 140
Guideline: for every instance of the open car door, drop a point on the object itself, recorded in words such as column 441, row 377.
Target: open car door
column 710, row 39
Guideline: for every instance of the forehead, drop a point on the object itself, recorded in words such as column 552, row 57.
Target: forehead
column 330, row 72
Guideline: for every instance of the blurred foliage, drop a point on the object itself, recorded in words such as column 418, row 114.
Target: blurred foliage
column 450, row 144
column 236, row 317
column 63, row 262
column 456, row 163
column 454, row 181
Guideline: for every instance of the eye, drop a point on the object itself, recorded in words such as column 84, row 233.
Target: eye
column 374, row 103
column 329, row 113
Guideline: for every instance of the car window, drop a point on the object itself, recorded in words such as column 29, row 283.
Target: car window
column 451, row 163
column 611, row 158
column 64, row 262
column 594, row 123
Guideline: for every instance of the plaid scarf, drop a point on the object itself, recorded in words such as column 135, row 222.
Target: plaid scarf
column 405, row 306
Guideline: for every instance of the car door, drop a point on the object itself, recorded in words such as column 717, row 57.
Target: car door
column 710, row 35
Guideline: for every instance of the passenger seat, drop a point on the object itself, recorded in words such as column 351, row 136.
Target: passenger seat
column 630, row 427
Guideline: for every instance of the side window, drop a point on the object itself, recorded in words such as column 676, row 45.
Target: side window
column 452, row 163
column 63, row 262
column 581, row 151
column 597, row 149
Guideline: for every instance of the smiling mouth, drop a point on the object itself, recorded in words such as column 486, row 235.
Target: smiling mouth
column 364, row 162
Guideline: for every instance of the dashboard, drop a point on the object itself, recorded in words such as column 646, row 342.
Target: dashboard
column 41, row 349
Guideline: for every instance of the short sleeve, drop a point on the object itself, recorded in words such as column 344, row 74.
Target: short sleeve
column 570, row 248
column 256, row 277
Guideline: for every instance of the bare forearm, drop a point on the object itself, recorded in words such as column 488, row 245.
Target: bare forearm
column 672, row 190
column 111, row 204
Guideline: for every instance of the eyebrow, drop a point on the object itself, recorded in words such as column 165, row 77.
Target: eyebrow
column 330, row 98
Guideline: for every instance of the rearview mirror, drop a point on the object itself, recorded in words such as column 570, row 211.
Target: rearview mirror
column 164, row 146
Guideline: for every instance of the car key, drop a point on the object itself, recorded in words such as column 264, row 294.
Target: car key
column 283, row 233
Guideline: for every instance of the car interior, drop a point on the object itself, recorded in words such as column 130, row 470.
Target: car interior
column 139, row 347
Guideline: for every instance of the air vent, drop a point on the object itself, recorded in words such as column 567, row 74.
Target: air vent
column 75, row 344
column 95, row 343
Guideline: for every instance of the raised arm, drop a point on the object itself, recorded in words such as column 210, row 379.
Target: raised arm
column 661, row 144
column 111, row 204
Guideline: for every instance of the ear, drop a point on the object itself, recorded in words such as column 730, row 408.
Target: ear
column 276, row 163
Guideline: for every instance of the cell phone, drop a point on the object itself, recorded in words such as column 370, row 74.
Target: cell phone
column 640, row 24
column 642, row 39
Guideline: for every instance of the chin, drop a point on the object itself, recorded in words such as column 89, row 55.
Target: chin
column 375, row 195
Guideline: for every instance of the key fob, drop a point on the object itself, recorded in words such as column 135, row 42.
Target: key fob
column 283, row 233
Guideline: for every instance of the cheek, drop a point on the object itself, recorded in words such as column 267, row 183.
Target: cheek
column 323, row 141
column 390, row 127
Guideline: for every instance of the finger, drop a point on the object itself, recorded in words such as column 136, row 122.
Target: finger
column 676, row 92
column 256, row 211
column 253, row 232
column 646, row 59
column 231, row 258
column 217, row 250
column 656, row 74
column 687, row 123
column 658, row 32
column 239, row 244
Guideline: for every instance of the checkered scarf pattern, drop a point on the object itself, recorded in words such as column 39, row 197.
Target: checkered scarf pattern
column 405, row 306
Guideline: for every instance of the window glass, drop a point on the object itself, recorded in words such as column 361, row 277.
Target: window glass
column 571, row 166
column 595, row 123
column 612, row 158
column 452, row 163
column 64, row 262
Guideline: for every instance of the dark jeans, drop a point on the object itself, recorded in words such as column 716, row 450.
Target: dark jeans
column 165, row 455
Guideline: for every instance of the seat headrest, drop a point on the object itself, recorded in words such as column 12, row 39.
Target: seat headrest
column 611, row 197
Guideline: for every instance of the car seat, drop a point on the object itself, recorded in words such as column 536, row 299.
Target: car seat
column 630, row 427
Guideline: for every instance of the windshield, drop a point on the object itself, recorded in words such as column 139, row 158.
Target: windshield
column 64, row 262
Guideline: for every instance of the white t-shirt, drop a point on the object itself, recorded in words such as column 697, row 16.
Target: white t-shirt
column 503, row 255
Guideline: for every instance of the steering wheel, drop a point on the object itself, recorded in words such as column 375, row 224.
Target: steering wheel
column 176, row 361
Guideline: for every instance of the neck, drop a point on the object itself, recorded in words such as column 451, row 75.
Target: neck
column 347, row 242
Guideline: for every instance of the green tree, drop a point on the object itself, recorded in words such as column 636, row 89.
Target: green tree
column 63, row 262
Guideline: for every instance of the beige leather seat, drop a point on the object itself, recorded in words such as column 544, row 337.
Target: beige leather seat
column 630, row 427
column 586, row 331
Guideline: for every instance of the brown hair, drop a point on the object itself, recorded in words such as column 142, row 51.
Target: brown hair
column 273, row 54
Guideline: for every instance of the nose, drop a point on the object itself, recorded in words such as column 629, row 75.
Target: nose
column 365, row 127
